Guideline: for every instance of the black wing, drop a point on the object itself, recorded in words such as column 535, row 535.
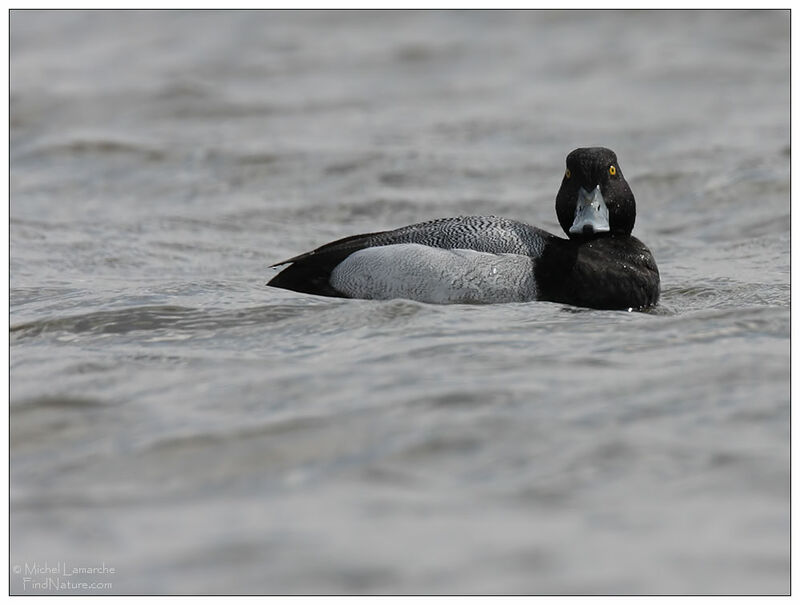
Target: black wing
column 310, row 272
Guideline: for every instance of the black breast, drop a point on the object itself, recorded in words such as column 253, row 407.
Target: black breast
column 615, row 272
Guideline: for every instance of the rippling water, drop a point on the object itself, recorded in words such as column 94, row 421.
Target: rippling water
column 175, row 419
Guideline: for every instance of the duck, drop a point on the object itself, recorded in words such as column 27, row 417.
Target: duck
column 491, row 259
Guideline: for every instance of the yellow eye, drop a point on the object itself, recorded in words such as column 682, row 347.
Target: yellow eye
column 612, row 170
column 568, row 174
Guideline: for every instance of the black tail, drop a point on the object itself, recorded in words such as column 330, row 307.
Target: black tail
column 310, row 272
column 309, row 275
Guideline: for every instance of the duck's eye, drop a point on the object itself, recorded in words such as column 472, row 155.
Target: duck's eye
column 567, row 174
column 612, row 170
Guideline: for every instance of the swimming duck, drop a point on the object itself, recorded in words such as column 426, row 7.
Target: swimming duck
column 489, row 259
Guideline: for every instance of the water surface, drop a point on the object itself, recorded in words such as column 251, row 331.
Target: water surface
column 173, row 417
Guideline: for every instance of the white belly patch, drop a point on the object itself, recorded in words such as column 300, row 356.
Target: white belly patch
column 435, row 275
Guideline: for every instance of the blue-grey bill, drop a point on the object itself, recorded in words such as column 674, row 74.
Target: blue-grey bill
column 591, row 213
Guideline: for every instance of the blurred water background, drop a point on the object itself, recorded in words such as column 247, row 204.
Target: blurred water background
column 178, row 421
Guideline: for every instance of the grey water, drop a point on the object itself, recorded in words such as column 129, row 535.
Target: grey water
column 178, row 427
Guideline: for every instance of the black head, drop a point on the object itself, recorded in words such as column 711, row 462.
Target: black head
column 587, row 169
